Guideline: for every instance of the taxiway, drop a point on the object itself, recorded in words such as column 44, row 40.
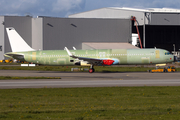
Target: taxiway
column 71, row 79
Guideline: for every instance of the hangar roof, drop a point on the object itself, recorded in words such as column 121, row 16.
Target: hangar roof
column 163, row 10
column 150, row 16
column 152, row 10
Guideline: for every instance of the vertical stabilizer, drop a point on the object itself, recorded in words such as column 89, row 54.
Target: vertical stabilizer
column 16, row 41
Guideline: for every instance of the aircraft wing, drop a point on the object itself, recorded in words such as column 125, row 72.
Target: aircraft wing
column 89, row 60
column 93, row 61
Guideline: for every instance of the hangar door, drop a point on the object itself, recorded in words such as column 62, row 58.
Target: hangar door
column 163, row 37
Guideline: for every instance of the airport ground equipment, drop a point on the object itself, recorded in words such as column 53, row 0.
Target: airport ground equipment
column 168, row 69
column 6, row 61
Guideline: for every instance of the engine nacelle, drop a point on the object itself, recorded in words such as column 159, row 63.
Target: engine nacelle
column 82, row 63
column 108, row 62
column 116, row 62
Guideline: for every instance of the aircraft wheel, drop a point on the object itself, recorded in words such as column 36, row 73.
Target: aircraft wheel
column 91, row 70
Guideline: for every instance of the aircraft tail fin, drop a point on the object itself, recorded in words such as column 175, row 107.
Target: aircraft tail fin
column 16, row 41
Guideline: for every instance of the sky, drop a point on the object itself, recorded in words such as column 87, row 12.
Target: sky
column 63, row 8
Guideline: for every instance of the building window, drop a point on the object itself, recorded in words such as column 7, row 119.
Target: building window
column 0, row 47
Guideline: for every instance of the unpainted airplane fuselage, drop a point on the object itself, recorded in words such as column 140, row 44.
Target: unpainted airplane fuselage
column 120, row 56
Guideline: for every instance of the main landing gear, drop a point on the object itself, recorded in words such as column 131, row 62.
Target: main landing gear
column 91, row 70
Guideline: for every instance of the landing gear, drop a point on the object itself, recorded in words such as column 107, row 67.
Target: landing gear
column 91, row 70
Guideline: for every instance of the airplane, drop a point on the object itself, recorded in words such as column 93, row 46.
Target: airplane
column 98, row 57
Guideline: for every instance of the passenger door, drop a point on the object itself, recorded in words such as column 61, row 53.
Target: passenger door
column 157, row 54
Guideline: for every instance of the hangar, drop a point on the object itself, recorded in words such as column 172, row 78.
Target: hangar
column 159, row 27
column 96, row 29
column 50, row 33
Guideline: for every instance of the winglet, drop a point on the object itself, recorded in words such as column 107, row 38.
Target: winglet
column 69, row 53
column 74, row 48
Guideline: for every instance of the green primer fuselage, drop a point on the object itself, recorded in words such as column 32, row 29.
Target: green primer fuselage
column 123, row 56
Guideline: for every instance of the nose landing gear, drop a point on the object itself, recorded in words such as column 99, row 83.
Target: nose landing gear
column 91, row 70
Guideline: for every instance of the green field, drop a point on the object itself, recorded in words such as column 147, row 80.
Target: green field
column 91, row 103
column 81, row 69
column 88, row 103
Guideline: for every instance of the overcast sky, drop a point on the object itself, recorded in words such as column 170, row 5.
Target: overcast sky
column 63, row 8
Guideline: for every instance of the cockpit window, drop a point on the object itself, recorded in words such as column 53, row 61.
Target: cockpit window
column 167, row 53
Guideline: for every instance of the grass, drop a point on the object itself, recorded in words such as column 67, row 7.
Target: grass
column 17, row 78
column 68, row 68
column 16, row 66
column 91, row 103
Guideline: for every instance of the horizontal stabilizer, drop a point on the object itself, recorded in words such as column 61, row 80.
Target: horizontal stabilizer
column 16, row 41
column 15, row 56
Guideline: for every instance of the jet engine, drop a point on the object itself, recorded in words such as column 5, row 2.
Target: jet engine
column 82, row 63
column 108, row 62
